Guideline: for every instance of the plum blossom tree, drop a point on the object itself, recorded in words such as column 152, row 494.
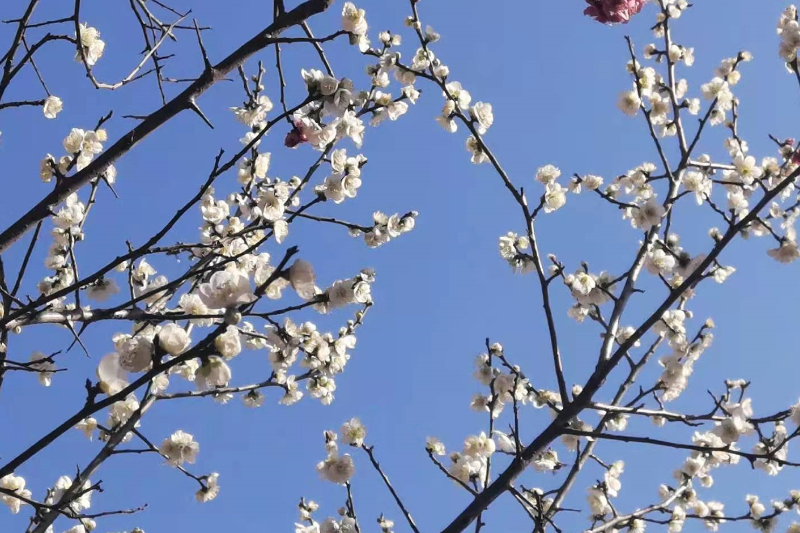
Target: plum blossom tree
column 749, row 197
column 185, row 310
column 184, row 332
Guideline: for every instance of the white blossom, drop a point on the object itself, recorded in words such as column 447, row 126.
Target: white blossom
column 435, row 446
column 87, row 426
column 481, row 113
column 210, row 491
column 15, row 484
column 786, row 252
column 179, row 448
column 555, row 197
column 93, row 46
column 113, row 378
column 647, row 215
column 52, row 106
column 353, row 20
column 226, row 288
column 213, row 373
column 337, row 469
column 229, row 343
column 629, row 103
column 353, row 432
column 173, row 339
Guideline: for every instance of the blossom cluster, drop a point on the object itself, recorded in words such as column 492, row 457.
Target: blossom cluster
column 92, row 46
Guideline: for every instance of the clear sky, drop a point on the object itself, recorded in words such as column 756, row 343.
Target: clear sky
column 553, row 77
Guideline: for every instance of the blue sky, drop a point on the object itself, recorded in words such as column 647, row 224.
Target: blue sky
column 553, row 77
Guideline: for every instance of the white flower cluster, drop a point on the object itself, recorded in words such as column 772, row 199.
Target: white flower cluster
column 434, row 446
column 504, row 387
column 81, row 147
column 598, row 495
column 700, row 464
column 687, row 503
column 92, row 46
column 15, row 484
column 325, row 355
column 555, row 196
column 388, row 107
column 457, row 100
column 253, row 113
column 479, row 117
column 663, row 256
column 789, row 32
column 744, row 177
column 761, row 520
column 120, row 413
column 80, row 503
column 309, row 125
column 344, row 524
column 650, row 88
column 775, row 448
column 338, row 469
column 713, row 514
column 355, row 23
column 346, row 177
column 229, row 272
column 67, row 222
column 512, row 249
column 335, row 468
column 589, row 290
column 679, row 365
column 386, row 227
column 268, row 199
column 469, row 465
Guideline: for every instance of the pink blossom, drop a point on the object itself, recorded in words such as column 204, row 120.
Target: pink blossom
column 613, row 11
column 296, row 136
column 789, row 145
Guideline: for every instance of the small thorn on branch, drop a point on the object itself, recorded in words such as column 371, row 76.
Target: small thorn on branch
column 206, row 63
column 194, row 107
column 111, row 187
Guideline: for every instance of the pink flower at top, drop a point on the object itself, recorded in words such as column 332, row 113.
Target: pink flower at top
column 613, row 11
